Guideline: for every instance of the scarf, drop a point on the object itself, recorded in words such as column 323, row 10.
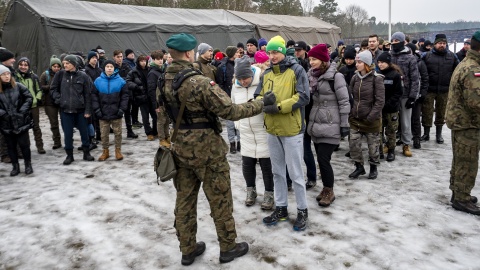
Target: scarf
column 313, row 75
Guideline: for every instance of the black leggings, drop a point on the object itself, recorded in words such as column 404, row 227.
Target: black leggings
column 250, row 172
column 324, row 155
column 23, row 141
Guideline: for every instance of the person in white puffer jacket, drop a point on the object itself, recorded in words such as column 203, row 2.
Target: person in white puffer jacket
column 254, row 136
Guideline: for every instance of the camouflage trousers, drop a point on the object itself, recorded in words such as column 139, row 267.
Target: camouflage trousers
column 465, row 146
column 390, row 127
column 116, row 125
column 163, row 123
column 217, row 188
column 373, row 141
column 428, row 107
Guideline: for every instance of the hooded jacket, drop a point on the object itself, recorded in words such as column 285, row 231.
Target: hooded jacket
column 15, row 103
column 330, row 107
column 409, row 67
column 288, row 81
column 254, row 136
column 110, row 94
column 31, row 81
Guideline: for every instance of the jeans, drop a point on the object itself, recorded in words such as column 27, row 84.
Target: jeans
column 71, row 120
column 232, row 132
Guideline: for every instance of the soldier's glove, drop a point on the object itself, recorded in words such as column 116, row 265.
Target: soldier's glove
column 271, row 109
column 120, row 113
column 410, row 103
column 269, row 98
column 344, row 131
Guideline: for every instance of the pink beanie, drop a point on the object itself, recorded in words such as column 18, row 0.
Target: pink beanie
column 320, row 52
column 261, row 57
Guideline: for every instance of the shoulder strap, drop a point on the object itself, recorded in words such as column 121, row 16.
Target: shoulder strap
column 47, row 77
column 332, row 82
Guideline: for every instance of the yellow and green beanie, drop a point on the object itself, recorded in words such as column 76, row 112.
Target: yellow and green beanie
column 277, row 43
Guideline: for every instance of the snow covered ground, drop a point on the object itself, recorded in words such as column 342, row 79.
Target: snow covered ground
column 113, row 215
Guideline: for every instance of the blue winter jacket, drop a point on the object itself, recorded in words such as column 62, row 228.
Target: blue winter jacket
column 109, row 96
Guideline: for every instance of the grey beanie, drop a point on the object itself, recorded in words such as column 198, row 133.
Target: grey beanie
column 398, row 35
column 72, row 59
column 4, row 69
column 243, row 68
column 365, row 57
column 203, row 48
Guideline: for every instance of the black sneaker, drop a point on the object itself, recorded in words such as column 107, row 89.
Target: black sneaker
column 190, row 258
column 238, row 251
column 279, row 214
column 310, row 184
column 301, row 222
column 131, row 135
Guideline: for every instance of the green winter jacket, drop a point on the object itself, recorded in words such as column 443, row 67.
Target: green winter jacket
column 289, row 82
column 30, row 80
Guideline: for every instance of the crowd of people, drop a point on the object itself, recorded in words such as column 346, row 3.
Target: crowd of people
column 277, row 98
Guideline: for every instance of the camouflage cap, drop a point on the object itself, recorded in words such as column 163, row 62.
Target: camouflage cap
column 182, row 42
column 476, row 36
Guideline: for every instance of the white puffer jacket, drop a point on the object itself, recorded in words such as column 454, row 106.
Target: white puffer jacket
column 253, row 136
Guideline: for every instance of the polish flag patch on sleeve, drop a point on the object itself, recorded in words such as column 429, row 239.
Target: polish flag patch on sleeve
column 476, row 74
column 212, row 83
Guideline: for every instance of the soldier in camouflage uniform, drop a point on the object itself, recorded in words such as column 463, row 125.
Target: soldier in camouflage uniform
column 463, row 118
column 200, row 152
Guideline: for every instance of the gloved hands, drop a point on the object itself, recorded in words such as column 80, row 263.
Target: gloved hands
column 271, row 109
column 344, row 131
column 120, row 113
column 98, row 113
column 410, row 103
column 269, row 98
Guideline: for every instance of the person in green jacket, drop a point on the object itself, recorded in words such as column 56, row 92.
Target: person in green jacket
column 25, row 76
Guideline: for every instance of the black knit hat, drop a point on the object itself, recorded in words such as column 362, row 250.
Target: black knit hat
column 385, row 57
column 240, row 45
column 108, row 62
column 127, row 52
column 253, row 41
column 290, row 43
column 5, row 55
column 440, row 38
column 349, row 53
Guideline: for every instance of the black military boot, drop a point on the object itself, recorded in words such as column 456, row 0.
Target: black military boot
column 466, row 206
column 28, row 167
column 238, row 251
column 279, row 214
column 190, row 258
column 15, row 170
column 69, row 158
column 373, row 172
column 233, row 148
column 360, row 170
column 426, row 134
column 130, row 133
column 391, row 155
column 301, row 221
column 87, row 156
column 416, row 143
column 473, row 199
column 439, row 135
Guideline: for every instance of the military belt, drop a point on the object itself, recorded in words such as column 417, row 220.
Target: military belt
column 203, row 125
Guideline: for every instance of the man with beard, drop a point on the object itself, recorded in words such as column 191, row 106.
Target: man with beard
column 440, row 65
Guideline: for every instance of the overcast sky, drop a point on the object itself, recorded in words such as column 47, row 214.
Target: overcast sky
column 418, row 10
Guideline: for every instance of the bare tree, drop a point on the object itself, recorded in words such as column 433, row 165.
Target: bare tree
column 354, row 17
column 307, row 6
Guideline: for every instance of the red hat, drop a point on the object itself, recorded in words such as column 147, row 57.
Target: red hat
column 219, row 56
column 320, row 52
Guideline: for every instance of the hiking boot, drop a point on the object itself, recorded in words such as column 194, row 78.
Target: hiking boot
column 391, row 155
column 310, row 184
column 473, row 199
column 238, row 251
column 165, row 143
column 233, row 148
column 15, row 170
column 327, row 197
column 40, row 150
column 87, row 156
column 105, row 155
column 439, row 135
column 56, row 146
column 416, row 143
column 279, row 214
column 268, row 201
column 426, row 134
column 406, row 150
column 385, row 149
column 150, row 137
column 190, row 258
column 118, row 154
column 251, row 196
column 319, row 196
column 28, row 167
column 466, row 206
column 373, row 172
column 131, row 134
column 360, row 170
column 69, row 158
column 238, row 147
column 301, row 221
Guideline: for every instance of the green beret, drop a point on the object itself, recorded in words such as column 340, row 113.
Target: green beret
column 182, row 42
column 476, row 36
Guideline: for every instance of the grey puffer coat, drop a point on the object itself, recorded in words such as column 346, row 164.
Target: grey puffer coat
column 330, row 107
column 411, row 77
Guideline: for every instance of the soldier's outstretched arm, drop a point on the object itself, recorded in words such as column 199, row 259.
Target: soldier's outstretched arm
column 217, row 101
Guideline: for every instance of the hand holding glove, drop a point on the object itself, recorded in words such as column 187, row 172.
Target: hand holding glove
column 410, row 103
column 269, row 98
column 344, row 131
column 271, row 109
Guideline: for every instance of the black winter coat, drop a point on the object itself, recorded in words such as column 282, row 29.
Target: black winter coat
column 93, row 72
column 137, row 85
column 440, row 68
column 348, row 72
column 15, row 104
column 411, row 77
column 152, row 80
column 72, row 91
column 225, row 72
column 422, row 69
column 123, row 70
column 393, row 90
